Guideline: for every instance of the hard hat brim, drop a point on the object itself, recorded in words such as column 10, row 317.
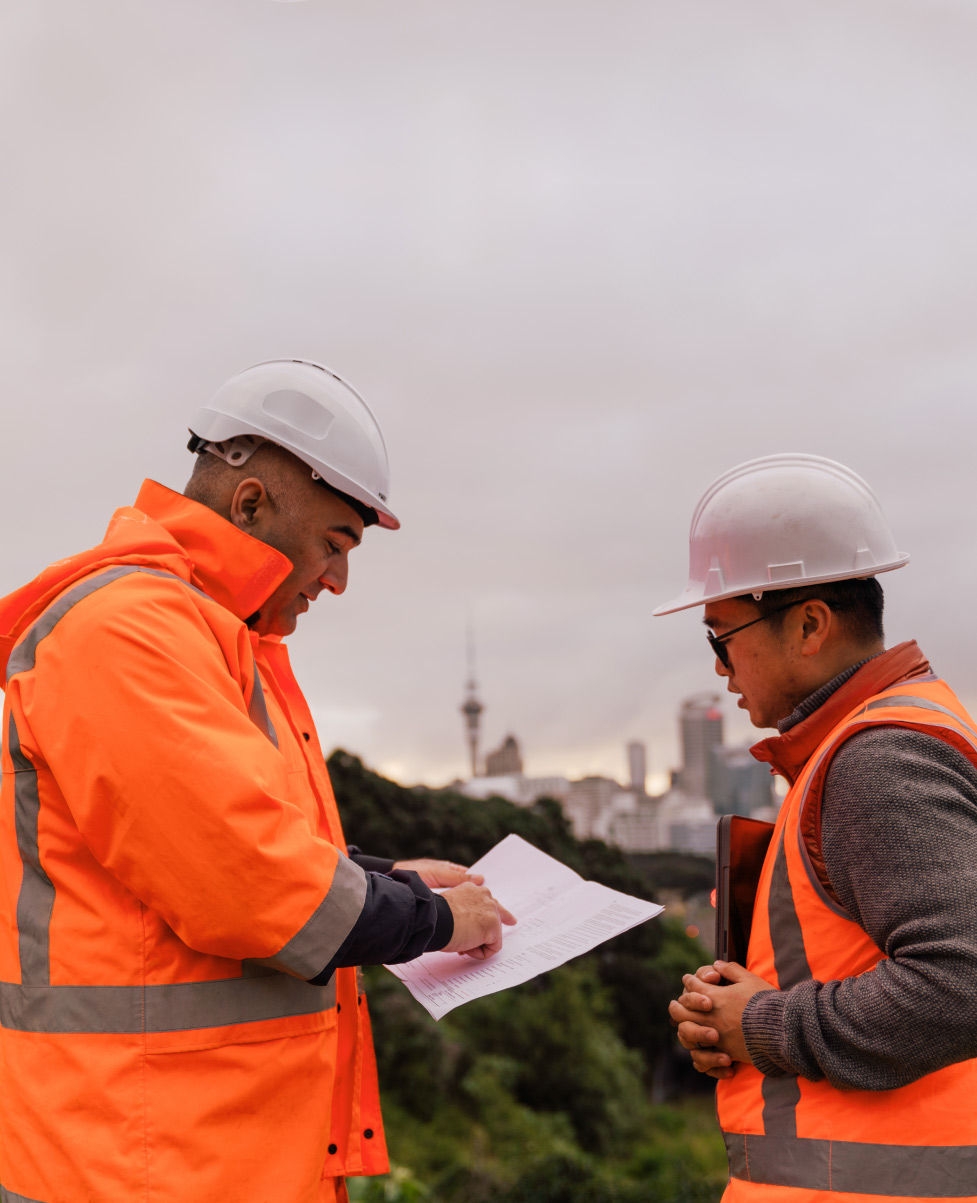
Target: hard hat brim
column 698, row 597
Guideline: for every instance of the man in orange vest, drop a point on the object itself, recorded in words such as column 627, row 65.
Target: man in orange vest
column 845, row 1048
column 180, row 1014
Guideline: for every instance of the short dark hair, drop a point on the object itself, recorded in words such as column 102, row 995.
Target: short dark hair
column 368, row 515
column 207, row 464
column 860, row 600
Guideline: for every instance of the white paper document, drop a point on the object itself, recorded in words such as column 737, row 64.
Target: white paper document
column 559, row 916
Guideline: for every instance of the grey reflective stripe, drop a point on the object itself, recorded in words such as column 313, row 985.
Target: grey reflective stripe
column 258, row 711
column 24, row 655
column 893, row 1171
column 781, row 1095
column 922, row 703
column 780, row 1099
column 790, row 959
column 35, row 900
column 312, row 948
column 7, row 1196
column 175, row 1007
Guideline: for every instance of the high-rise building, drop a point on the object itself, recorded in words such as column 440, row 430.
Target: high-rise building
column 701, row 726
column 637, row 766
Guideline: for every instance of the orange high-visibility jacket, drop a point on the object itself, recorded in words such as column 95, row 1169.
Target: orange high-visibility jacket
column 172, row 870
column 791, row 1140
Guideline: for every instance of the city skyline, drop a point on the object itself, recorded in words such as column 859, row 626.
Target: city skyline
column 711, row 778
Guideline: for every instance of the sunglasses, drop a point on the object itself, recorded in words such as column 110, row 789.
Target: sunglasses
column 718, row 642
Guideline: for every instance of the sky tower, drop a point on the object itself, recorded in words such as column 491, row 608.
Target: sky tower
column 471, row 707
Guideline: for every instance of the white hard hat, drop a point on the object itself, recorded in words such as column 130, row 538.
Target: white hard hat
column 780, row 522
column 310, row 411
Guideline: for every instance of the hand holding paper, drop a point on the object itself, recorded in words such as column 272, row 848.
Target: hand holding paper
column 559, row 916
column 478, row 921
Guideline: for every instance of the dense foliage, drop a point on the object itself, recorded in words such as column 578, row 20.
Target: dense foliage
column 568, row 1088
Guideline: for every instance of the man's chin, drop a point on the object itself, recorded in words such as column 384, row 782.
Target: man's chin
column 279, row 624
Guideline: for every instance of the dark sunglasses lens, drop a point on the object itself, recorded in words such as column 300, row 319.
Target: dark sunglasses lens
column 720, row 649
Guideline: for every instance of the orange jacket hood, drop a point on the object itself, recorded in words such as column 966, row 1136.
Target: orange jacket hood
column 237, row 570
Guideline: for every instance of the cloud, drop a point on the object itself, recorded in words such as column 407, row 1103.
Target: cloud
column 580, row 258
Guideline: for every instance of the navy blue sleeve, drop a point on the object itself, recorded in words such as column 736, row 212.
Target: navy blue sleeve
column 371, row 864
column 400, row 919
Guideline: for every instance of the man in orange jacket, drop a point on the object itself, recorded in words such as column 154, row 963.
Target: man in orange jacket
column 843, row 1049
column 180, row 1016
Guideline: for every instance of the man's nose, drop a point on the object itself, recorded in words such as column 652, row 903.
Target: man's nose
column 336, row 575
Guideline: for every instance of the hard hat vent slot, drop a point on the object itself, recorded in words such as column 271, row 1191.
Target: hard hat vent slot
column 714, row 578
column 785, row 572
column 864, row 558
column 298, row 411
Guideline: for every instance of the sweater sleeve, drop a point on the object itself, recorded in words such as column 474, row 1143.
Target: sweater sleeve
column 899, row 827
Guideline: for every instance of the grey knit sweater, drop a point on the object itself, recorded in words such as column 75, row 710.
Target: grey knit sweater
column 899, row 837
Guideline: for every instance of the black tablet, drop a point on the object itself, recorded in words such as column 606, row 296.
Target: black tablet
column 741, row 845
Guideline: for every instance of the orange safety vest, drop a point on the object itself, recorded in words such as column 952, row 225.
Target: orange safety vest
column 172, row 871
column 791, row 1140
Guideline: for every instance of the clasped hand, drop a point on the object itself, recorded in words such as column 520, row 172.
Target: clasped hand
column 709, row 1016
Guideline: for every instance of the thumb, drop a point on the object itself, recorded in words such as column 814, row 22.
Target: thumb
column 731, row 971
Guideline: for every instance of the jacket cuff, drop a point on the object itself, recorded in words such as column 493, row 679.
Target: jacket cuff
column 444, row 926
column 763, row 1032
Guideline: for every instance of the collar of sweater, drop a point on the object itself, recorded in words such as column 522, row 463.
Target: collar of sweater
column 817, row 715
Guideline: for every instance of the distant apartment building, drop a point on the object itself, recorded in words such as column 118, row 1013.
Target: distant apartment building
column 505, row 760
column 701, row 729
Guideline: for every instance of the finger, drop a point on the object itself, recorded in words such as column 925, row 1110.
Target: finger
column 450, row 875
column 695, row 1002
column 678, row 1014
column 695, row 1036
column 706, row 1059
column 481, row 952
column 732, row 971
column 477, row 878
column 507, row 917
column 692, row 982
column 708, row 973
column 682, row 1014
column 719, row 1072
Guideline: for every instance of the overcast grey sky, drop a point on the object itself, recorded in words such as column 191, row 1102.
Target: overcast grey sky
column 579, row 256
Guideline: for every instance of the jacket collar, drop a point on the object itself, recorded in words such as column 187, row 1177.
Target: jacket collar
column 789, row 752
column 235, row 569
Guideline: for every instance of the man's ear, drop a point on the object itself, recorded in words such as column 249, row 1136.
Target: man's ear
column 817, row 620
column 248, row 503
